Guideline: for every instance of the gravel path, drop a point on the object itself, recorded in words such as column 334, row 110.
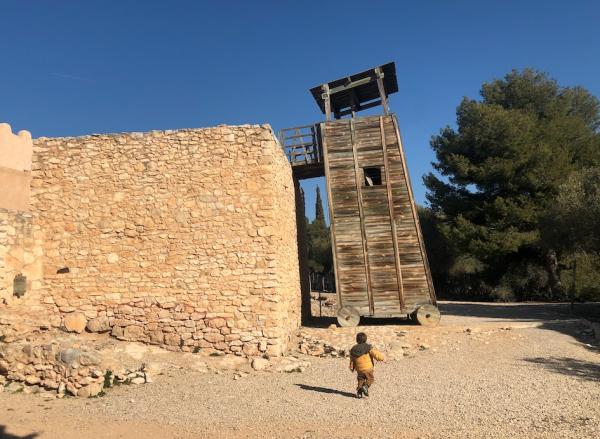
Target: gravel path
column 530, row 382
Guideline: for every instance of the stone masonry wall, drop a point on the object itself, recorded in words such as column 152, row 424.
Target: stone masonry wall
column 185, row 239
column 21, row 251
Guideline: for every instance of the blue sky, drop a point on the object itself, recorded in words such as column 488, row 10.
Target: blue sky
column 79, row 67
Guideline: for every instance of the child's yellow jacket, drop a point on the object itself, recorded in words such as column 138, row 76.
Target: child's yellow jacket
column 362, row 356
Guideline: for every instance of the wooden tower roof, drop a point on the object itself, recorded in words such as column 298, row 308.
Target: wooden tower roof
column 357, row 92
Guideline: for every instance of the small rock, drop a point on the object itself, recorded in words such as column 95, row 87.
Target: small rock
column 316, row 350
column 69, row 356
column 260, row 363
column 89, row 359
column 14, row 387
column 138, row 380
column 424, row 346
column 332, row 326
column 75, row 322
column 31, row 389
column 49, row 384
column 99, row 324
column 32, row 379
column 89, row 390
column 70, row 388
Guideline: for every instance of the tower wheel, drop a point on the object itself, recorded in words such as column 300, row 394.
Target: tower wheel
column 428, row 315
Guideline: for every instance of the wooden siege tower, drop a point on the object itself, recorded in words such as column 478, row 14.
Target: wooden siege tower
column 380, row 263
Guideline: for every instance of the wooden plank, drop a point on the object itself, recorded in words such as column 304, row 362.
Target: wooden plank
column 361, row 107
column 362, row 216
column 414, row 213
column 331, row 222
column 298, row 136
column 351, row 84
column 392, row 219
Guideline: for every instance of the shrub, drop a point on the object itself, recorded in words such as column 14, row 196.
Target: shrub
column 581, row 276
column 502, row 294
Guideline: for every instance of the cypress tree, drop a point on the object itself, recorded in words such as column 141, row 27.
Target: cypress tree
column 320, row 258
column 319, row 214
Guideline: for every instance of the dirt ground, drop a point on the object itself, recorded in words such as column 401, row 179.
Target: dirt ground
column 488, row 371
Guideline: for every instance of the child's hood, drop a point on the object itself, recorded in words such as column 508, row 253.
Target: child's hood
column 360, row 349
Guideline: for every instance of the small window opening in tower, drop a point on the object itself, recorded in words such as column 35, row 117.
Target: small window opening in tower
column 372, row 176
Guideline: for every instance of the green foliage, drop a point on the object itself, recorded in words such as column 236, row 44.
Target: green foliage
column 573, row 225
column 529, row 281
column 573, row 221
column 512, row 185
column 581, row 277
column 503, row 294
column 320, row 257
column 108, row 379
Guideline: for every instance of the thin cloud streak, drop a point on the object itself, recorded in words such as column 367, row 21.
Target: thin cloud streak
column 71, row 77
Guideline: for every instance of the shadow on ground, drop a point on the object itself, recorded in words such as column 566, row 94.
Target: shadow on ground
column 326, row 390
column 524, row 312
column 557, row 317
column 5, row 435
column 324, row 322
column 585, row 370
column 550, row 316
column 527, row 312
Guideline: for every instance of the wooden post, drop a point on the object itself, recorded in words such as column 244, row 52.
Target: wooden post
column 362, row 219
column 320, row 301
column 390, row 199
column 327, row 98
column 381, row 88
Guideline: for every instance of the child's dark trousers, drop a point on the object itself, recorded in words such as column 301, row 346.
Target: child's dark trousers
column 365, row 377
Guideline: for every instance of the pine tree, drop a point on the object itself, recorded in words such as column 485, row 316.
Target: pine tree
column 503, row 166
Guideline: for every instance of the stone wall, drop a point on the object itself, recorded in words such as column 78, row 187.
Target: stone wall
column 185, row 239
column 21, row 253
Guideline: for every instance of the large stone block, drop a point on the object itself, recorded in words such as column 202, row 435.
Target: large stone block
column 75, row 322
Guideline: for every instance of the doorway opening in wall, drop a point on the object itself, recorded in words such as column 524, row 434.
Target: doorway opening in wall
column 318, row 264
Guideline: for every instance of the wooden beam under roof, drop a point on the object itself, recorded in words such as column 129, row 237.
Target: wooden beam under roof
column 334, row 97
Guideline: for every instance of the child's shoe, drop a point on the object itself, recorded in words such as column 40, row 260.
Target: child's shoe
column 365, row 390
column 359, row 393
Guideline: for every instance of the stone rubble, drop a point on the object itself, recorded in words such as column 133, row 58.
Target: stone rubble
column 86, row 365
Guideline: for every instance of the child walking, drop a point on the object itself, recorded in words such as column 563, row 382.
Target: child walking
column 362, row 359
